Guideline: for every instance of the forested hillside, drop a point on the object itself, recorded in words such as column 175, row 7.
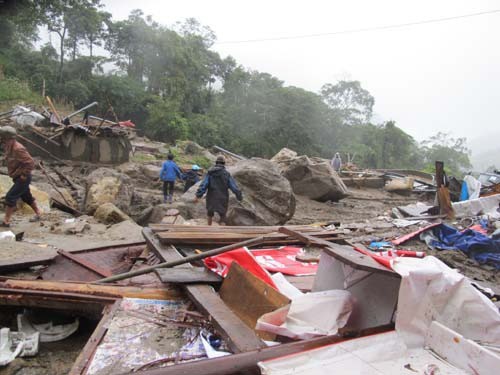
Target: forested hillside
column 174, row 86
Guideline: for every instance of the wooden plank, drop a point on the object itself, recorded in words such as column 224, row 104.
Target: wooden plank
column 85, row 263
column 306, row 238
column 201, row 238
column 249, row 297
column 237, row 363
column 186, row 275
column 228, row 228
column 116, row 291
column 239, row 337
column 20, row 264
column 85, row 356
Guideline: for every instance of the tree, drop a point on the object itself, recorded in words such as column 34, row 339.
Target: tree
column 352, row 103
column 452, row 151
column 60, row 17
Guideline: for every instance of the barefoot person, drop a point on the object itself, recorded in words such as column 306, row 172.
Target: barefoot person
column 20, row 164
column 216, row 184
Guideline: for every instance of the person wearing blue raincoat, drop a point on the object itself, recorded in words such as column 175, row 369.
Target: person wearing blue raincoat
column 168, row 174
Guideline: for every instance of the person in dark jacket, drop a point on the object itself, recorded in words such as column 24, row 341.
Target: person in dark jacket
column 168, row 174
column 191, row 177
column 216, row 184
column 20, row 164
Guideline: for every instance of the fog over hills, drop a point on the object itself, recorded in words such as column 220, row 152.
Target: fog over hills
column 485, row 151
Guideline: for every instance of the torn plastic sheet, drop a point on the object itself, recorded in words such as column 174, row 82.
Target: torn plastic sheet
column 8, row 350
column 48, row 331
column 132, row 342
column 285, row 287
column 480, row 206
column 309, row 315
column 445, row 353
column 26, row 117
column 210, row 350
column 476, row 245
column 220, row 264
column 430, row 290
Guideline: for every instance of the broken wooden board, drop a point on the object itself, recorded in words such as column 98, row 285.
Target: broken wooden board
column 117, row 291
column 188, row 275
column 216, row 238
column 16, row 255
column 249, row 297
column 239, row 337
column 92, row 264
column 83, row 360
column 228, row 228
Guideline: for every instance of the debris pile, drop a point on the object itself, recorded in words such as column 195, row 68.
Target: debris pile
column 350, row 271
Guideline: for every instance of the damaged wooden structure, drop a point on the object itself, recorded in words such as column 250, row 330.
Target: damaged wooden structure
column 223, row 304
column 77, row 136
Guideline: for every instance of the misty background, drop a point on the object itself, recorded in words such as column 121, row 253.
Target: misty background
column 438, row 74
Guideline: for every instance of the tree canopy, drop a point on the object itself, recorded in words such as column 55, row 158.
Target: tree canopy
column 171, row 83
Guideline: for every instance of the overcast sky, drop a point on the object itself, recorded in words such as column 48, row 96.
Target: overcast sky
column 428, row 78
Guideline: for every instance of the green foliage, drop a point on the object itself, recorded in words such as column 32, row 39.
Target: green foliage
column 141, row 157
column 12, row 89
column 353, row 103
column 165, row 122
column 169, row 82
column 452, row 151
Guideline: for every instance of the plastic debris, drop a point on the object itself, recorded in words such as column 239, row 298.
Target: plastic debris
column 48, row 331
column 7, row 355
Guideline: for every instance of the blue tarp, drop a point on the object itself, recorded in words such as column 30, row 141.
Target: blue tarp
column 476, row 245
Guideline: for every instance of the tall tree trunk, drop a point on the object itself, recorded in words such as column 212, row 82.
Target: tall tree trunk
column 61, row 52
column 91, row 43
column 74, row 49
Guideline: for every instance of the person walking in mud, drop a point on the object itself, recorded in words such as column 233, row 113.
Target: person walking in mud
column 216, row 184
column 20, row 164
column 168, row 174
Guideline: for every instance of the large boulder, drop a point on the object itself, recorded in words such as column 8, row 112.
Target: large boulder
column 267, row 196
column 131, row 169
column 105, row 185
column 315, row 179
column 151, row 171
column 284, row 154
column 62, row 195
column 108, row 213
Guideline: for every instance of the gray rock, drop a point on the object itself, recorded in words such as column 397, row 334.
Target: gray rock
column 108, row 213
column 151, row 171
column 284, row 154
column 105, row 185
column 267, row 196
column 314, row 179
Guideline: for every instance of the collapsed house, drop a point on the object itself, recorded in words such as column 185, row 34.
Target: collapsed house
column 88, row 139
